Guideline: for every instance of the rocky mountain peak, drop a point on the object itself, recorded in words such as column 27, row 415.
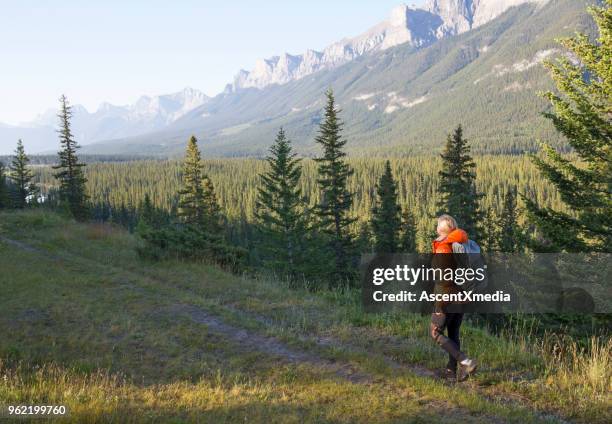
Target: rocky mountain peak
column 399, row 16
column 418, row 27
column 404, row 25
column 457, row 15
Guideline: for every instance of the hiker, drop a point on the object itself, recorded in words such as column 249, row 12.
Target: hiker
column 443, row 317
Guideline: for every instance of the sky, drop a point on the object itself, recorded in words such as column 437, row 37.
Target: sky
column 116, row 51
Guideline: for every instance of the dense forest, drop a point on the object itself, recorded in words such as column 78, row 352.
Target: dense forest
column 36, row 160
column 117, row 185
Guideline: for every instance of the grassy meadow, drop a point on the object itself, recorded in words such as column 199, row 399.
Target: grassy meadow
column 87, row 324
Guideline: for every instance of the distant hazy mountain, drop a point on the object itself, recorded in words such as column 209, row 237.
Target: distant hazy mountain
column 401, row 99
column 108, row 122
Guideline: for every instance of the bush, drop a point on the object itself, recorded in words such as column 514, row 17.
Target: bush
column 183, row 241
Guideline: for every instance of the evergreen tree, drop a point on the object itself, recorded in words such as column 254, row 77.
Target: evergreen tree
column 197, row 202
column 509, row 240
column 21, row 177
column 147, row 211
column 70, row 171
column 364, row 239
column 458, row 195
column 280, row 209
column 386, row 214
column 191, row 208
column 148, row 228
column 198, row 234
column 490, row 232
column 408, row 233
column 336, row 200
column 582, row 113
column 4, row 197
column 211, row 208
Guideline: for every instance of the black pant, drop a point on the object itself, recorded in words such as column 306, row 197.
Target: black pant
column 451, row 322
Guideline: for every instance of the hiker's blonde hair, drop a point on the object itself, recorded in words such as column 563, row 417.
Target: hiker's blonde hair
column 450, row 222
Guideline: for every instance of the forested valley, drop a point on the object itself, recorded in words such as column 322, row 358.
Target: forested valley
column 168, row 290
column 118, row 189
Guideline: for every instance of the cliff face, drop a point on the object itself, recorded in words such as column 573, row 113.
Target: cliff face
column 405, row 25
column 418, row 27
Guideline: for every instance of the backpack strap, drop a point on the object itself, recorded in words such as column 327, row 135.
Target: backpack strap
column 460, row 256
column 458, row 248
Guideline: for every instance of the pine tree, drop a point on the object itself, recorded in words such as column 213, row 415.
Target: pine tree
column 408, row 233
column 363, row 241
column 280, row 209
column 4, row 197
column 148, row 227
column 509, row 239
column 336, row 200
column 458, row 195
column 386, row 214
column 21, row 176
column 582, row 113
column 191, row 208
column 71, row 178
column 197, row 199
column 147, row 211
column 211, row 208
column 490, row 233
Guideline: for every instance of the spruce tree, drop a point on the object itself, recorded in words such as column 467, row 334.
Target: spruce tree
column 386, row 214
column 490, row 233
column 211, row 208
column 4, row 197
column 336, row 200
column 363, row 242
column 147, row 212
column 191, row 208
column 581, row 112
column 458, row 195
column 21, row 177
column 510, row 237
column 408, row 233
column 70, row 171
column 198, row 202
column 148, row 226
column 280, row 209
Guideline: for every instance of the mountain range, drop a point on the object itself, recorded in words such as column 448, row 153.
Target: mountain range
column 402, row 85
column 413, row 26
column 109, row 121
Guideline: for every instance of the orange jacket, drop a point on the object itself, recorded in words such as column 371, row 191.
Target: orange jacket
column 446, row 245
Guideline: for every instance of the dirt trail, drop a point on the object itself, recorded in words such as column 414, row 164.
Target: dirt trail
column 23, row 246
column 247, row 340
column 251, row 341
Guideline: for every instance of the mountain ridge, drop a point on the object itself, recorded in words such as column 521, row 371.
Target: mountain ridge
column 418, row 27
column 402, row 100
column 390, row 97
column 108, row 121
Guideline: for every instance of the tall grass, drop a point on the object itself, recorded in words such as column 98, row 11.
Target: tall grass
column 581, row 371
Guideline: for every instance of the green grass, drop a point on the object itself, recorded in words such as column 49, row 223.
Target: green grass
column 87, row 324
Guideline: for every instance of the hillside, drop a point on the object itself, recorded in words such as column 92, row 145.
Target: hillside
column 88, row 325
column 399, row 100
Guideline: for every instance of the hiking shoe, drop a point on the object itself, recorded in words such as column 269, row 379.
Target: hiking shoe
column 449, row 374
column 446, row 374
column 467, row 368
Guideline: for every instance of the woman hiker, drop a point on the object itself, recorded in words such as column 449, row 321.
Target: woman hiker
column 459, row 365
